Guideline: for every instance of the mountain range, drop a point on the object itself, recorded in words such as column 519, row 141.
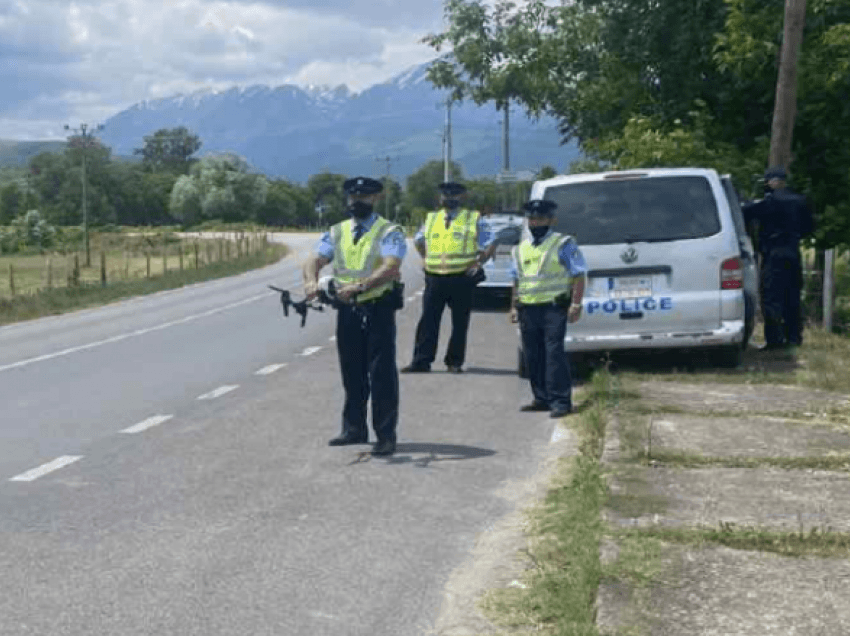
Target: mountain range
column 293, row 132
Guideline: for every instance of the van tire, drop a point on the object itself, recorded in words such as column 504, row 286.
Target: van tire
column 520, row 365
column 728, row 357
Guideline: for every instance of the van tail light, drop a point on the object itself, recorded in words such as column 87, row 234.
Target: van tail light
column 732, row 274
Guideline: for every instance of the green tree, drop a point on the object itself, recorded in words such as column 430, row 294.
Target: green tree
column 11, row 203
column 546, row 172
column 422, row 186
column 326, row 193
column 169, row 149
column 218, row 187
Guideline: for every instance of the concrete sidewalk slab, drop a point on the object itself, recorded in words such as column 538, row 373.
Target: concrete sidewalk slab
column 741, row 398
column 749, row 436
column 771, row 498
column 716, row 591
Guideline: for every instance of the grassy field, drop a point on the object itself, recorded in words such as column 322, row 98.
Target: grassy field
column 122, row 266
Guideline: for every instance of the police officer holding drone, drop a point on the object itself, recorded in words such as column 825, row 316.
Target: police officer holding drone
column 549, row 274
column 366, row 252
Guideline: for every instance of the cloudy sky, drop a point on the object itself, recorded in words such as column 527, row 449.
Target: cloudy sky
column 71, row 62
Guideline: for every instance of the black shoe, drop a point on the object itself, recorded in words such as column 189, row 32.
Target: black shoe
column 415, row 368
column 534, row 406
column 560, row 413
column 346, row 440
column 384, row 447
column 453, row 369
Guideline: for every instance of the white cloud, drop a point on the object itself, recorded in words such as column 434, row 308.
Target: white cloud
column 87, row 59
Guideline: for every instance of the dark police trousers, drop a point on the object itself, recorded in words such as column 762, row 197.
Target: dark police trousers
column 455, row 291
column 366, row 343
column 781, row 278
column 543, row 328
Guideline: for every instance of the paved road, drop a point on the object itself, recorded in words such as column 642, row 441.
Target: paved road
column 130, row 505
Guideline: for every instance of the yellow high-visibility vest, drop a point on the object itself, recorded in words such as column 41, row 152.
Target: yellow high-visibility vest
column 354, row 263
column 542, row 278
column 452, row 250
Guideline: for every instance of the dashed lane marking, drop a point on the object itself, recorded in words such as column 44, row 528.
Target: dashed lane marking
column 218, row 392
column 332, row 339
column 49, row 467
column 420, row 292
column 410, row 299
column 310, row 351
column 144, row 425
column 270, row 369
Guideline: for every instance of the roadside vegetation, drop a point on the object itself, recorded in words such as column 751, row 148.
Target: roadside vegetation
column 122, row 265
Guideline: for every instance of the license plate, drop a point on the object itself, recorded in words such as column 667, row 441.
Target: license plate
column 628, row 287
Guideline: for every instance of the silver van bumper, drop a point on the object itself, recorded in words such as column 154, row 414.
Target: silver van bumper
column 730, row 332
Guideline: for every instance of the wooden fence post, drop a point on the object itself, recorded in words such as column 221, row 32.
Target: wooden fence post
column 12, row 278
column 49, row 273
column 126, row 264
column 76, row 270
column 196, row 254
column 103, row 268
column 164, row 255
column 148, row 263
column 180, row 254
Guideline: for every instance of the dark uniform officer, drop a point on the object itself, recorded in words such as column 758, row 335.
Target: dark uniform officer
column 366, row 252
column 784, row 218
column 549, row 274
column 454, row 242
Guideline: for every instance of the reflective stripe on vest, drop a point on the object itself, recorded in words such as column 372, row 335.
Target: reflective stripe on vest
column 452, row 250
column 354, row 263
column 542, row 278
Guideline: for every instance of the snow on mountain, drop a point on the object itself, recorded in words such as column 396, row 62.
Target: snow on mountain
column 294, row 132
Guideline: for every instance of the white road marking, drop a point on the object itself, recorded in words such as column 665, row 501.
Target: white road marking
column 332, row 339
column 310, row 351
column 144, row 425
column 420, row 292
column 218, row 392
column 131, row 334
column 559, row 433
column 49, row 467
column 410, row 299
column 270, row 369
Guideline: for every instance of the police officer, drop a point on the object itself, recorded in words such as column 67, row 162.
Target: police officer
column 549, row 277
column 784, row 218
column 454, row 242
column 366, row 252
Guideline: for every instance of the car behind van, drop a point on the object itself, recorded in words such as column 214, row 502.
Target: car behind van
column 507, row 229
column 670, row 264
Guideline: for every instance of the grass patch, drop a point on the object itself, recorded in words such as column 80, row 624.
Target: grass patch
column 822, row 362
column 695, row 460
column 814, row 543
column 565, row 531
column 64, row 299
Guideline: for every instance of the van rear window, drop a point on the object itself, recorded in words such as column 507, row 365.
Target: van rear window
column 631, row 210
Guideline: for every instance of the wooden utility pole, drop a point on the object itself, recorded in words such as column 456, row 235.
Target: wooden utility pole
column 785, row 106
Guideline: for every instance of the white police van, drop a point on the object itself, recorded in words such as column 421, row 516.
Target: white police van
column 507, row 228
column 669, row 261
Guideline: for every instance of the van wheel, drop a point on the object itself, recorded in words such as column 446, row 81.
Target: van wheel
column 728, row 357
column 520, row 365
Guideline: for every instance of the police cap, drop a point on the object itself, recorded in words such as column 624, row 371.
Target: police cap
column 776, row 172
column 540, row 207
column 362, row 185
column 452, row 189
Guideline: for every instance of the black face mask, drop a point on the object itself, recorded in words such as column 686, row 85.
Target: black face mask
column 538, row 232
column 452, row 204
column 360, row 210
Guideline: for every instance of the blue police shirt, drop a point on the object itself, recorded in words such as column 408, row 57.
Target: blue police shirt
column 485, row 234
column 392, row 245
column 569, row 255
